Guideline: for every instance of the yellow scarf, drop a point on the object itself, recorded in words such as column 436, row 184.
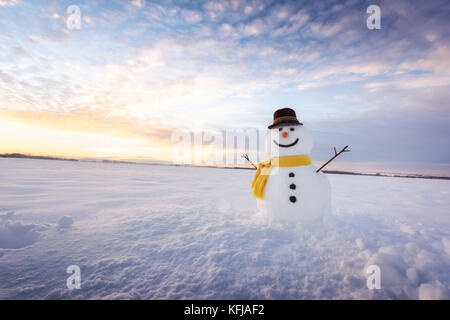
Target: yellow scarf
column 263, row 171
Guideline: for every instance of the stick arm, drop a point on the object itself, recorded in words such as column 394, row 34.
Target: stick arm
column 336, row 154
column 245, row 156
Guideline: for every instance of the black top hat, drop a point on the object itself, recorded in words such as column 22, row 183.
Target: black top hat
column 285, row 115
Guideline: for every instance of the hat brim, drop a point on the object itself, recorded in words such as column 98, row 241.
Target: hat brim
column 283, row 120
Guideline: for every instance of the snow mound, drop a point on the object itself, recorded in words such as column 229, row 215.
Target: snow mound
column 446, row 243
column 65, row 222
column 15, row 235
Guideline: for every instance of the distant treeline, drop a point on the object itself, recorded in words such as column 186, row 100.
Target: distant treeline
column 26, row 156
column 387, row 175
column 391, row 175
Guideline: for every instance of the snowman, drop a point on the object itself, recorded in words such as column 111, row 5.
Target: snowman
column 287, row 187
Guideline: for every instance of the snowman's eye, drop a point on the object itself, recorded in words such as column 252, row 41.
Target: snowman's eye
column 292, row 129
column 280, row 129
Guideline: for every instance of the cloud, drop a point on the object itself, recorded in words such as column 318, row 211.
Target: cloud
column 92, row 122
column 138, row 3
column 390, row 125
column 436, row 60
column 8, row 3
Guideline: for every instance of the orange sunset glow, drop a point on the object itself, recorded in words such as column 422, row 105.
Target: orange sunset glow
column 131, row 73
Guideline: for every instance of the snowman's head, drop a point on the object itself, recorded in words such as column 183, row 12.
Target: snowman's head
column 289, row 140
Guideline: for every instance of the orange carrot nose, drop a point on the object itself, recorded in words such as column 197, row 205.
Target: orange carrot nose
column 285, row 134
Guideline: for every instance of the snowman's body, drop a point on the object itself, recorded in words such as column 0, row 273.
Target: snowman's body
column 295, row 194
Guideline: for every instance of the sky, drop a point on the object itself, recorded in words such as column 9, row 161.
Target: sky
column 137, row 72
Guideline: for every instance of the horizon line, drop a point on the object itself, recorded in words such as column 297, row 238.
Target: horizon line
column 152, row 161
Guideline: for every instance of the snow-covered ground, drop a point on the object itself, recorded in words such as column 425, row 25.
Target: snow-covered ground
column 164, row 232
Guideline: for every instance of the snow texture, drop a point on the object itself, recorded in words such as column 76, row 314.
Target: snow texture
column 166, row 232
